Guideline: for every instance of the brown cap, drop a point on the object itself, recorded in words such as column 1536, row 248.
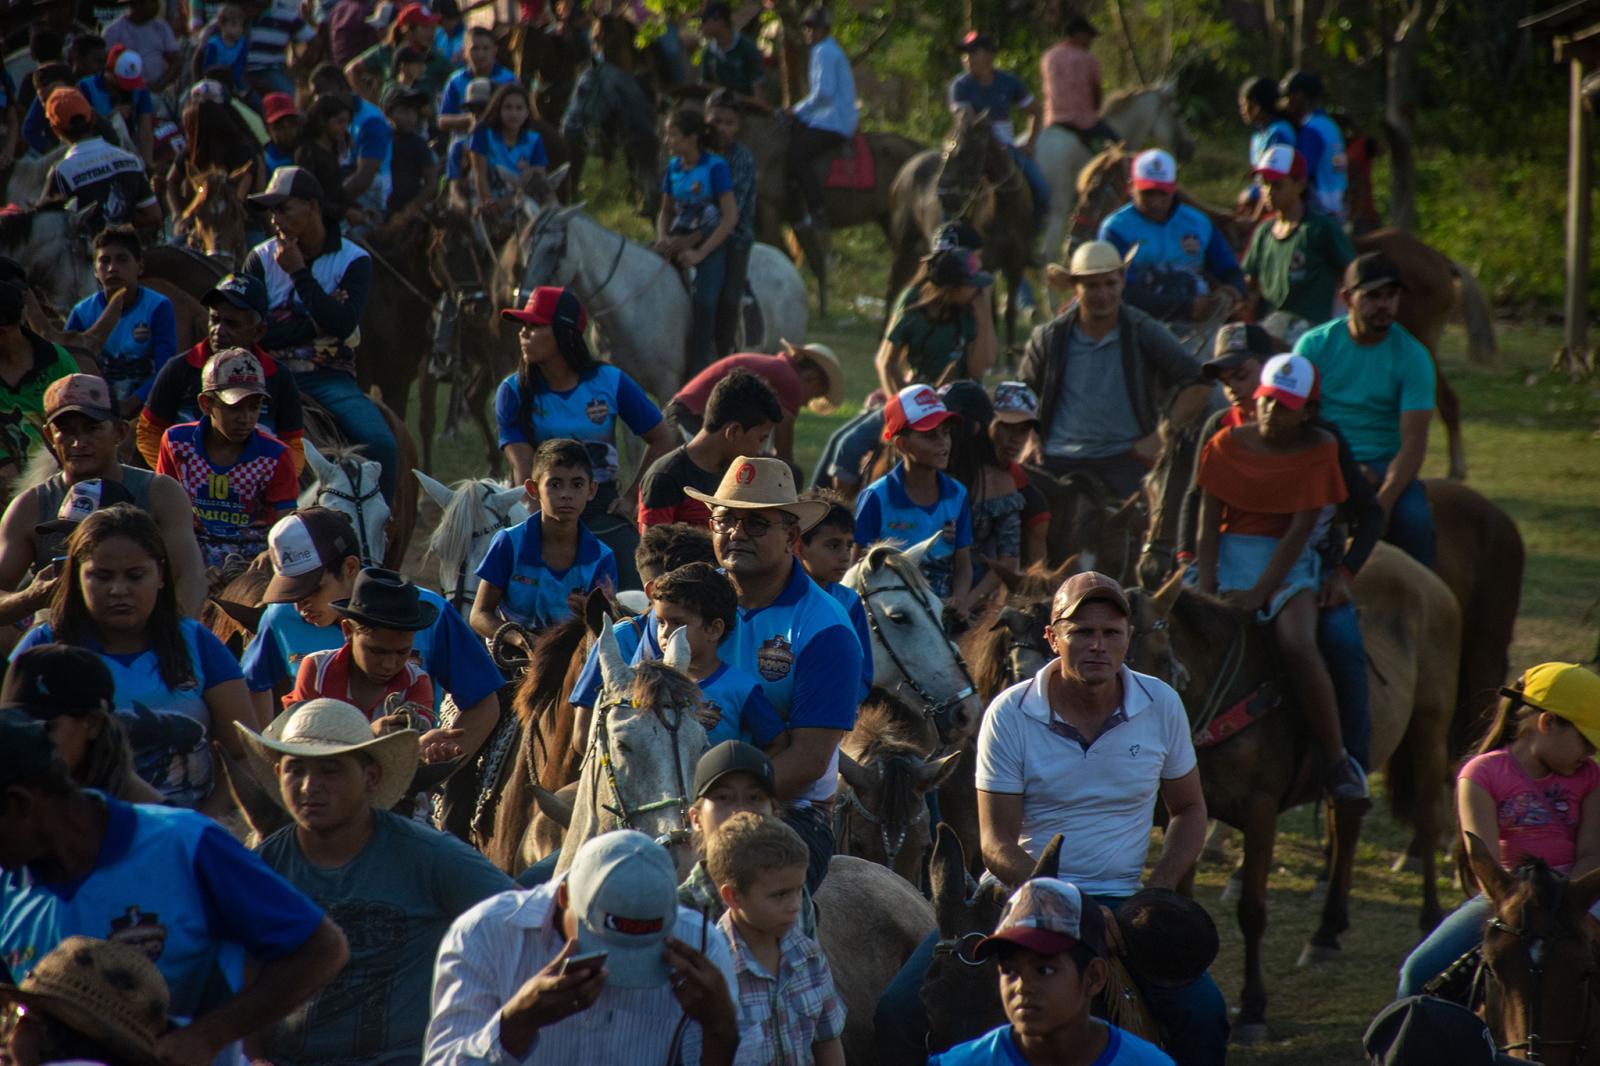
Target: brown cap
column 83, row 393
column 1080, row 589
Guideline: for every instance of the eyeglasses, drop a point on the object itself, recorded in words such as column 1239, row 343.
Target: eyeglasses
column 754, row 525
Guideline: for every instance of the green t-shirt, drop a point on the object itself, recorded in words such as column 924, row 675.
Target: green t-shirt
column 1300, row 273
column 1366, row 388
column 22, row 405
column 931, row 346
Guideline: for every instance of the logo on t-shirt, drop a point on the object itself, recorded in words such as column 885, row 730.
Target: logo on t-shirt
column 1191, row 243
column 597, row 410
column 775, row 659
column 141, row 332
column 140, row 931
column 1133, row 751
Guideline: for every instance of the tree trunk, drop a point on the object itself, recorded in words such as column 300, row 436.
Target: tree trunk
column 1272, row 13
column 1401, row 64
column 1307, row 17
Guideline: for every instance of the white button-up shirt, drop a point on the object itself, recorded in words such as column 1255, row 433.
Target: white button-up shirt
column 492, row 949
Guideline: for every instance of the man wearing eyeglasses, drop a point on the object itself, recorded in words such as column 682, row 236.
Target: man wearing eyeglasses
column 1083, row 749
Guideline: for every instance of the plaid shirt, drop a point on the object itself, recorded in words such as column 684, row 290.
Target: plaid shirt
column 699, row 893
column 781, row 1017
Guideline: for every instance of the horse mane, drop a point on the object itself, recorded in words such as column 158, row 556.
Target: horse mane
column 885, row 554
column 452, row 537
column 41, row 467
column 543, row 683
column 1094, row 172
column 338, row 453
column 1206, row 613
column 657, row 685
column 882, row 724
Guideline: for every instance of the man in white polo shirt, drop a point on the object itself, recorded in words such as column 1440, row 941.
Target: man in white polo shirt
column 1083, row 749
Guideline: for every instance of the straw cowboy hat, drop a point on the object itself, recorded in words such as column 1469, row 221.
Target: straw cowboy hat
column 762, row 483
column 324, row 727
column 823, row 359
column 111, row 993
column 1091, row 257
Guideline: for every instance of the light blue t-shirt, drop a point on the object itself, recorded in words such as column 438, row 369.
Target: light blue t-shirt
column 997, row 1048
column 587, row 413
column 850, row 600
column 1365, row 388
column 102, row 97
column 884, row 511
column 140, row 344
column 453, row 100
column 747, row 714
column 532, row 594
column 507, row 159
column 371, row 137
column 1321, row 141
column 1185, row 240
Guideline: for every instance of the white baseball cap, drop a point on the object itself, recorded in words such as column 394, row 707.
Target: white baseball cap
column 1290, row 379
column 624, row 890
column 301, row 545
column 1281, row 161
column 1155, row 169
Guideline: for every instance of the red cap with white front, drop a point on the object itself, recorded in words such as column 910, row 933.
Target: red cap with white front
column 1281, row 161
column 915, row 407
column 1289, row 379
column 1155, row 169
column 125, row 68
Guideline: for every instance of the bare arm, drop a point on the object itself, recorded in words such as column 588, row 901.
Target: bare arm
column 1290, row 545
column 961, row 576
column 266, row 705
column 170, row 507
column 16, row 539
column 521, row 457
column 828, row 1052
column 1407, row 462
column 1186, row 830
column 1035, row 112
column 664, row 217
column 458, row 123
column 999, row 827
column 657, row 442
column 805, row 759
column 887, row 364
column 985, row 347
column 1205, row 546
column 485, row 605
column 1476, row 810
column 360, row 179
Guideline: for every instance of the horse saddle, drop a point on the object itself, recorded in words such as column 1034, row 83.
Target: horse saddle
column 853, row 168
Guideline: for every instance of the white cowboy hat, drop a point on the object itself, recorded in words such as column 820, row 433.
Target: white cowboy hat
column 762, row 483
column 325, row 727
column 1091, row 257
column 823, row 359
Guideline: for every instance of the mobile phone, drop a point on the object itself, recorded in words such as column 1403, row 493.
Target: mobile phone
column 589, row 963
column 58, row 559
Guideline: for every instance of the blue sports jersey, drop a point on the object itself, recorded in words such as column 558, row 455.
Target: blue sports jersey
column 696, row 192
column 1322, row 143
column 140, row 344
column 884, row 511
column 455, row 158
column 449, row 43
column 219, row 53
column 102, row 97
column 505, row 160
column 997, row 1048
column 453, row 101
column 371, row 137
column 1186, row 240
column 1004, row 92
column 531, row 593
column 173, row 884
column 746, row 712
column 451, row 653
column 275, row 157
column 850, row 600
column 1278, row 131
column 587, row 412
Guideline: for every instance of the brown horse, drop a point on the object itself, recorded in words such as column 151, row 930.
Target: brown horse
column 213, row 216
column 1540, row 953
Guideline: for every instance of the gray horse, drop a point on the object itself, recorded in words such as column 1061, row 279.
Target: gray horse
column 610, row 109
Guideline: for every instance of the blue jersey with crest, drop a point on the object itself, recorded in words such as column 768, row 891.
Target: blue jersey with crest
column 1186, row 240
column 1321, row 141
column 885, row 511
column 746, row 712
column 140, row 344
column 531, row 593
column 587, row 413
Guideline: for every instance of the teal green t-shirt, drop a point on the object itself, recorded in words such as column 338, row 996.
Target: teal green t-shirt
column 1300, row 273
column 1365, row 388
column 931, row 344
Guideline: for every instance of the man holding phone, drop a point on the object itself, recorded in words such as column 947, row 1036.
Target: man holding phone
column 516, row 974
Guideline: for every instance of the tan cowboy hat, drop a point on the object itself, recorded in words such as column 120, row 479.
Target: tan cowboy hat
column 1091, row 257
column 823, row 359
column 109, row 992
column 325, row 727
column 762, row 483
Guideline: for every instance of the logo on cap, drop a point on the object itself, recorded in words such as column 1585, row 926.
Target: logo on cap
column 633, row 926
column 746, row 474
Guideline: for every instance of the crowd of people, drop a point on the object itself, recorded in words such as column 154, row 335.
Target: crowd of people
column 136, row 928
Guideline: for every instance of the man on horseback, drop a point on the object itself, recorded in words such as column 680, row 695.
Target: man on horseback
column 1103, row 372
column 481, row 52
column 1318, row 138
column 996, row 92
column 317, row 286
column 1070, row 75
column 826, row 119
column 94, row 171
column 1084, row 749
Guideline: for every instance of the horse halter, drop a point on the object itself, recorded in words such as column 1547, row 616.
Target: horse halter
column 940, row 710
column 625, row 814
column 357, row 499
column 892, row 846
column 1536, row 945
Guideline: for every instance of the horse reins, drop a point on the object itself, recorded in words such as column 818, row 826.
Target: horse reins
column 623, row 813
column 357, row 499
column 891, row 848
column 932, row 707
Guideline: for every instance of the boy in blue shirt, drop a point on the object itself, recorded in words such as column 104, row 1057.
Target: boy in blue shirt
column 146, row 335
column 224, row 45
column 533, row 571
column 825, row 551
column 917, row 499
column 120, row 87
column 699, row 599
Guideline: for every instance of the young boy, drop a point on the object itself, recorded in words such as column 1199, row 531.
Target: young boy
column 759, row 866
column 414, row 168
column 120, row 89
column 917, row 499
column 240, row 478
column 700, row 599
column 374, row 670
column 224, row 45
column 284, row 123
column 826, row 551
column 533, row 571
column 145, row 337
column 458, row 158
column 1051, row 947
column 739, row 417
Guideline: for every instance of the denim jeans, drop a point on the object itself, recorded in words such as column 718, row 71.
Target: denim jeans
column 1193, row 1016
column 358, row 418
column 1036, row 183
column 1339, row 638
column 730, row 304
column 1452, row 938
column 540, row 872
column 1411, row 521
column 703, row 299
column 815, row 827
column 847, row 447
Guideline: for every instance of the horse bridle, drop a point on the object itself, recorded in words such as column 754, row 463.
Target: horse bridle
column 892, row 846
column 1536, row 946
column 357, row 499
column 459, row 595
column 611, row 273
column 937, row 709
column 625, row 814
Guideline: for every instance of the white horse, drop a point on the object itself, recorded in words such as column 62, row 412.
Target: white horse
column 638, row 299
column 475, row 509
column 1141, row 117
column 348, row 484
column 52, row 245
column 25, row 183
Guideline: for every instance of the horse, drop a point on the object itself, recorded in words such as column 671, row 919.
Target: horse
column 1540, row 953
column 473, row 511
column 610, row 109
column 25, row 181
column 347, row 483
column 1254, row 758
column 637, row 298
column 973, row 178
column 214, row 215
column 1140, row 116
column 53, row 245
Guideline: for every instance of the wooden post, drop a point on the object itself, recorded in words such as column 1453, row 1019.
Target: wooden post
column 1578, row 193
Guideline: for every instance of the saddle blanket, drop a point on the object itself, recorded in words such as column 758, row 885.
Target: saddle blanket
column 1239, row 717
column 854, row 169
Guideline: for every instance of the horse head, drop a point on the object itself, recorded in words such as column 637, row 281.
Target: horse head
column 1102, row 188
column 540, row 250
column 474, row 510
column 592, row 106
column 912, row 658
column 349, row 484
column 1174, row 619
column 1542, row 954
column 53, row 244
column 216, row 210
column 964, row 161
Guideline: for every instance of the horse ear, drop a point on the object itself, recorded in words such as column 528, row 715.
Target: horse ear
column 326, row 472
column 947, row 876
column 1490, row 875
column 1049, row 864
column 861, row 780
column 242, row 177
column 615, row 673
column 508, row 497
column 1166, row 597
column 553, row 807
column 437, row 491
column 937, row 772
column 566, row 213
column 917, row 552
column 557, row 177
column 676, row 654
column 1058, row 277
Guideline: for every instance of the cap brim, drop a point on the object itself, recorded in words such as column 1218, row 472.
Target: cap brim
column 766, row 785
column 130, row 85
column 1288, row 399
column 1041, row 941
column 807, row 512
column 822, row 405
column 285, row 589
column 54, row 526
column 211, row 297
column 641, row 967
column 99, row 414
column 398, row 754
column 268, row 200
column 931, row 421
column 982, row 279
column 527, row 318
column 1162, row 186
column 233, row 396
column 1214, row 366
column 1016, row 418
column 1378, row 283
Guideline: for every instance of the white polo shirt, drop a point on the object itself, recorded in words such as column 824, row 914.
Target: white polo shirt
column 1100, row 800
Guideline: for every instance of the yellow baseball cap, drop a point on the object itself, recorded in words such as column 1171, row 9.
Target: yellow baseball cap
column 1567, row 691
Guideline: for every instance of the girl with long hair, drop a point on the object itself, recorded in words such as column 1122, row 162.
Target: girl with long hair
column 505, row 148
column 323, row 140
column 942, row 327
column 698, row 213
column 177, row 686
column 1531, row 790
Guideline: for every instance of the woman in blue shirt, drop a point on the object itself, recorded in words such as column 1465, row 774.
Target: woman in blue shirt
column 698, row 213
column 177, row 686
column 561, row 390
column 505, row 147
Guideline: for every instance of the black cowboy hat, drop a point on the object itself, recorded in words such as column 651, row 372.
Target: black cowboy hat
column 386, row 600
column 1170, row 939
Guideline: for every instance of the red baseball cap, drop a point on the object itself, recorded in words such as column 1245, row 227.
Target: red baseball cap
column 416, row 15
column 1281, row 161
column 1289, row 379
column 275, row 106
column 550, row 306
column 125, row 68
column 915, row 407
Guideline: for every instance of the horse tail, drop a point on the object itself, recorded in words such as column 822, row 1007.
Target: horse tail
column 1482, row 348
